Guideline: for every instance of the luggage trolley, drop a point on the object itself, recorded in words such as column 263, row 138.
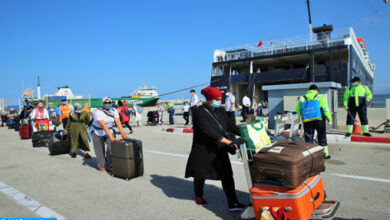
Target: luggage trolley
column 325, row 210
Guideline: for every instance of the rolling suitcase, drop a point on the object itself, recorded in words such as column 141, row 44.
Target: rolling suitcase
column 127, row 158
column 298, row 203
column 41, row 138
column 25, row 131
column 287, row 164
column 59, row 144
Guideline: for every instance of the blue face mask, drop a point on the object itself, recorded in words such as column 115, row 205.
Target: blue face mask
column 107, row 106
column 215, row 104
column 64, row 102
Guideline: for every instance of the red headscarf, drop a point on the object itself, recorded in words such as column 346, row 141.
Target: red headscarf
column 39, row 111
column 211, row 93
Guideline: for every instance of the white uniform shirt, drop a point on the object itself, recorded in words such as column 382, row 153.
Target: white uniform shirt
column 194, row 100
column 246, row 101
column 186, row 108
column 109, row 121
column 229, row 101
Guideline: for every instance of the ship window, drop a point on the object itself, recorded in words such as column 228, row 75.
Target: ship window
column 240, row 68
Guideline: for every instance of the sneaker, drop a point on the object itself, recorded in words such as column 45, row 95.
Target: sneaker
column 367, row 134
column 348, row 134
column 327, row 157
column 73, row 155
column 103, row 170
column 236, row 207
column 201, row 201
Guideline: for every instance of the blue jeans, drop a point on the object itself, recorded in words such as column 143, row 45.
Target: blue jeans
column 171, row 114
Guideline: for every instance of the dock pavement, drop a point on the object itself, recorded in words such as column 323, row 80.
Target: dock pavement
column 34, row 184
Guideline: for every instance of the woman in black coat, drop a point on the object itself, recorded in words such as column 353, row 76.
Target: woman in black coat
column 209, row 157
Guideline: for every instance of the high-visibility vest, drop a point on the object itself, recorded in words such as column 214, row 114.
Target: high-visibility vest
column 65, row 111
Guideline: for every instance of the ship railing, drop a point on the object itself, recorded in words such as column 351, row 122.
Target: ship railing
column 287, row 45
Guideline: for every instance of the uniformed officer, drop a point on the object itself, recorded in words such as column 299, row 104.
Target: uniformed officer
column 356, row 99
column 313, row 110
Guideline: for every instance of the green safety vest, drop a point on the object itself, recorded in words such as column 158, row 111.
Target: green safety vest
column 357, row 91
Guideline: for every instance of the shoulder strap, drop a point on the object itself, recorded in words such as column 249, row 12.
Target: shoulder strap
column 108, row 114
column 215, row 120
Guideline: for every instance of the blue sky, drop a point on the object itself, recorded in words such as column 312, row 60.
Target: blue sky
column 111, row 47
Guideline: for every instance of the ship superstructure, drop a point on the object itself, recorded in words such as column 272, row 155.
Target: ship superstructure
column 335, row 55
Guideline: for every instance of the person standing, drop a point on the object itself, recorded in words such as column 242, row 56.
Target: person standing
column 356, row 99
column 230, row 107
column 160, row 112
column 209, row 157
column 246, row 104
column 314, row 111
column 194, row 101
column 77, row 127
column 40, row 116
column 103, row 134
column 171, row 110
column 66, row 109
column 124, row 114
column 186, row 113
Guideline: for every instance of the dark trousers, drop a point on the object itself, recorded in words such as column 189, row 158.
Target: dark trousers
column 64, row 122
column 361, row 110
column 244, row 113
column 171, row 114
column 227, row 185
column 318, row 126
column 232, row 116
column 186, row 116
column 126, row 123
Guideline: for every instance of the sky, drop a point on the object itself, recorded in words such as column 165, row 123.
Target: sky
column 109, row 48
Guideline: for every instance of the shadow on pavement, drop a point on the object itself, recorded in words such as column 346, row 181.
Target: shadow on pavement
column 92, row 162
column 349, row 218
column 174, row 187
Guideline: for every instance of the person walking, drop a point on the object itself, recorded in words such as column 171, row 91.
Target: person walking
column 124, row 114
column 186, row 113
column 314, row 112
column 230, row 107
column 160, row 112
column 209, row 157
column 171, row 111
column 66, row 109
column 77, row 127
column 194, row 101
column 103, row 134
column 356, row 99
column 246, row 104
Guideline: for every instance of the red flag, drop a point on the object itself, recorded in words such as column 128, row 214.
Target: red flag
column 260, row 43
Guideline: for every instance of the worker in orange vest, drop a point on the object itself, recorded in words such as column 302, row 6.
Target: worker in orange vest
column 66, row 109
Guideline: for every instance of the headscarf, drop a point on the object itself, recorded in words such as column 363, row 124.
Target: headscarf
column 40, row 111
column 211, row 93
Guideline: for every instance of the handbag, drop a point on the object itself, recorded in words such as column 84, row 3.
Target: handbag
column 255, row 134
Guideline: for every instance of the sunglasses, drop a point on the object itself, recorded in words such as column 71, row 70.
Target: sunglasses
column 107, row 102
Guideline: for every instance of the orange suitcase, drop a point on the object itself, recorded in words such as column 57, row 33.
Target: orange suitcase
column 299, row 203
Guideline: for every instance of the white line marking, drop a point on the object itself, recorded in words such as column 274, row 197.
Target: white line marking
column 29, row 203
column 181, row 155
column 361, row 177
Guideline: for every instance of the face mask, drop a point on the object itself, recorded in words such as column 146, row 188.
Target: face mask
column 64, row 103
column 215, row 104
column 107, row 106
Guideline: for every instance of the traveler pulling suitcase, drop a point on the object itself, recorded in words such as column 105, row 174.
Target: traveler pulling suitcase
column 127, row 158
column 287, row 164
column 41, row 139
column 59, row 143
column 25, row 131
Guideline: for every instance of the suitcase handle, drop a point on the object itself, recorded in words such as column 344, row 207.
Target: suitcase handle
column 272, row 181
column 316, row 197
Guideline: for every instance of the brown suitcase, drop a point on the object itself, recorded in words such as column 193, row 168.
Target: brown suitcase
column 127, row 158
column 287, row 164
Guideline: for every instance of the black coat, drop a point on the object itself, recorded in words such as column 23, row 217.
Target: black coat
column 209, row 158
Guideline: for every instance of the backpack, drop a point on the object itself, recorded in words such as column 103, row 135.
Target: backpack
column 311, row 109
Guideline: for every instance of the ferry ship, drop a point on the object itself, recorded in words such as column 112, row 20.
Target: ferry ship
column 141, row 97
column 335, row 55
